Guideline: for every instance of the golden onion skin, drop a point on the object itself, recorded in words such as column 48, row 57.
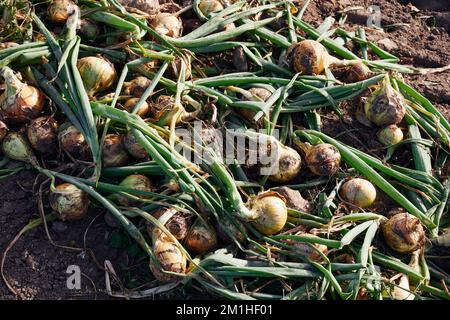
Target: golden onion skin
column 359, row 192
column 170, row 258
column 174, row 68
column 201, row 238
column 289, row 165
column 390, row 135
column 323, row 159
column 3, row 130
column 178, row 225
column 210, row 6
column 133, row 147
column 385, row 106
column 97, row 73
column 308, row 57
column 16, row 147
column 404, row 233
column 6, row 45
column 136, row 182
column 60, row 10
column 73, row 142
column 69, row 202
column 358, row 72
column 271, row 212
column 113, row 151
column 42, row 133
column 137, row 86
column 131, row 103
column 167, row 24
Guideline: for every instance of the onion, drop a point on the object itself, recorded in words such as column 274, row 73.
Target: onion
column 113, row 151
column 359, row 192
column 73, row 142
column 148, row 6
column 167, row 24
column 20, row 102
column 323, row 159
column 137, row 86
column 289, row 164
column 60, row 10
column 305, row 249
column 404, row 233
column 69, row 202
column 89, row 30
column 97, row 73
column 16, row 147
column 308, row 57
column 385, row 106
column 6, row 45
column 270, row 210
column 42, row 133
column 390, row 135
column 136, row 182
column 254, row 94
column 165, row 111
column 201, row 239
column 210, row 6
column 177, row 224
column 358, row 72
column 171, row 259
column 175, row 66
column 131, row 103
column 3, row 130
column 133, row 147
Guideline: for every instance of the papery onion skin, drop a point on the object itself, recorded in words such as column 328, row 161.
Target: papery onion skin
column 60, row 10
column 73, row 142
column 385, row 106
column 171, row 259
column 308, row 57
column 69, row 202
column 136, row 182
column 3, row 130
column 131, row 103
column 289, row 165
column 201, row 238
column 42, row 133
column 358, row 192
column 113, row 151
column 271, row 212
column 167, row 24
column 210, row 6
column 178, row 225
column 137, row 86
column 323, row 159
column 358, row 72
column 404, row 233
column 390, row 135
column 97, row 73
column 16, row 147
column 133, row 147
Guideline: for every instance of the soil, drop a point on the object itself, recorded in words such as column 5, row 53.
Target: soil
column 37, row 269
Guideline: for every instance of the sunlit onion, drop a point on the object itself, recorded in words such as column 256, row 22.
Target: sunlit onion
column 390, row 135
column 358, row 192
column 69, row 202
column 113, row 151
column 42, row 133
column 137, row 182
column 323, row 159
column 288, row 164
column 73, row 142
column 131, row 103
column 97, row 73
column 167, row 24
column 404, row 233
column 60, row 10
column 170, row 258
column 358, row 72
column 270, row 210
column 201, row 238
column 308, row 57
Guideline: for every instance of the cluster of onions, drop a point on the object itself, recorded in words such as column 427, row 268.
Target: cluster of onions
column 404, row 233
column 309, row 57
column 166, row 24
column 113, row 151
column 323, row 159
column 97, row 73
column 135, row 182
column 358, row 192
column 60, row 10
column 20, row 102
column 390, row 135
column 270, row 212
column 69, row 202
column 73, row 142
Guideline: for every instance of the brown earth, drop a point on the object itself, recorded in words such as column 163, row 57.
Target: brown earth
column 36, row 269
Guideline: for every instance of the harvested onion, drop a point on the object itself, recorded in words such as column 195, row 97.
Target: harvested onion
column 16, row 147
column 167, row 24
column 137, row 86
column 201, row 238
column 136, row 182
column 113, row 151
column 390, row 135
column 171, row 259
column 6, row 45
column 254, row 94
column 73, row 142
column 210, row 6
column 133, row 147
column 309, row 57
column 165, row 111
column 404, row 233
column 97, row 73
column 131, row 103
column 323, row 159
column 288, row 164
column 270, row 210
column 385, row 106
column 20, row 102
column 176, row 222
column 60, row 10
column 358, row 192
column 42, row 133
column 358, row 72
column 69, row 202
column 89, row 30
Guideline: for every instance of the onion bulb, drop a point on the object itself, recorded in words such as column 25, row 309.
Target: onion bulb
column 137, row 86
column 135, row 182
column 171, row 259
column 309, row 57
column 97, row 73
column 385, row 106
column 174, row 68
column 210, row 6
column 20, row 102
column 270, row 210
column 165, row 111
column 390, row 135
column 148, row 6
column 404, row 233
column 358, row 192
column 323, row 159
column 133, row 147
column 42, row 133
column 89, row 30
column 358, row 72
column 131, row 103
column 113, row 151
column 16, row 147
column 254, row 94
column 6, row 45
column 69, row 202
column 73, row 142
column 177, row 224
column 167, row 24
column 201, row 239
column 288, row 164
column 3, row 130
column 60, row 10
column 310, row 250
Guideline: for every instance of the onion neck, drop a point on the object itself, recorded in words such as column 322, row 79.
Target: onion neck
column 13, row 84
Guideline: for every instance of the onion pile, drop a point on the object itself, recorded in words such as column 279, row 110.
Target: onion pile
column 73, row 142
column 60, row 10
column 42, row 133
column 113, row 151
column 390, row 135
column 270, row 211
column 68, row 202
column 20, row 102
column 167, row 24
column 323, row 159
column 404, row 233
column 97, row 73
column 358, row 192
column 136, row 182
